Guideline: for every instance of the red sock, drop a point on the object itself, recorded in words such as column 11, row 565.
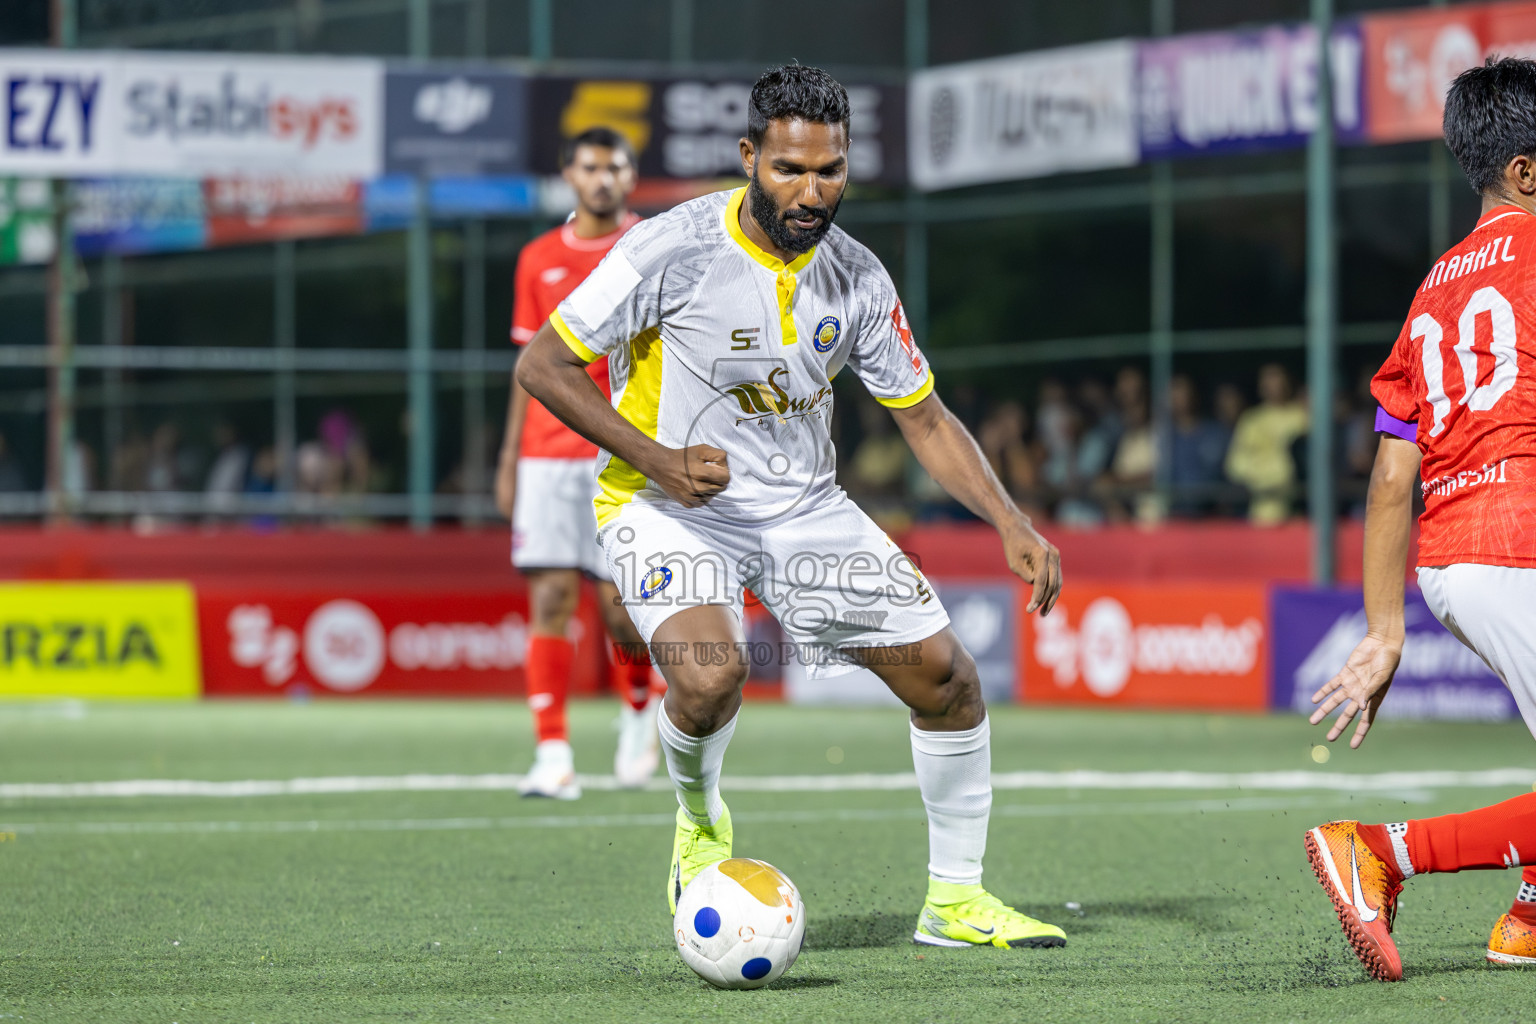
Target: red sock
column 1500, row 836
column 632, row 673
column 1525, row 900
column 548, row 666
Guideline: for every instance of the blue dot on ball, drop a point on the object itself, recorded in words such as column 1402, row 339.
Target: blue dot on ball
column 706, row 922
column 757, row 967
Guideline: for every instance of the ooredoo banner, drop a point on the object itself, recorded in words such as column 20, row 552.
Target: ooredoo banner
column 1411, row 58
column 1230, row 91
column 1023, row 116
column 394, row 644
column 111, row 641
column 189, row 115
column 1173, row 645
column 1439, row 677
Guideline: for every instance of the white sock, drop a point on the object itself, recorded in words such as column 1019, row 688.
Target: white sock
column 954, row 774
column 694, row 763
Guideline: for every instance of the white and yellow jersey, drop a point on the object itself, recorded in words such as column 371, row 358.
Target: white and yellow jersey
column 714, row 341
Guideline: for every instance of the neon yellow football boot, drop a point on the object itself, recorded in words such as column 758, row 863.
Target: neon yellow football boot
column 696, row 848
column 968, row 915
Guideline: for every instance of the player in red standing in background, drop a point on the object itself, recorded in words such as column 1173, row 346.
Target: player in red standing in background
column 1458, row 409
column 546, row 480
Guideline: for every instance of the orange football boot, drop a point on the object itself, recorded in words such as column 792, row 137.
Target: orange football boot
column 1513, row 943
column 1364, row 889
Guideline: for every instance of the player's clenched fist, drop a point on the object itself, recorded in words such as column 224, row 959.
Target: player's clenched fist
column 692, row 475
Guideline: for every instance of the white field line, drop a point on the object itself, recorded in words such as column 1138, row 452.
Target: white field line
column 1067, row 810
column 1288, row 781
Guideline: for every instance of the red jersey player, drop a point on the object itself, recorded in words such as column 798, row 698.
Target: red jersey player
column 1458, row 411
column 547, row 478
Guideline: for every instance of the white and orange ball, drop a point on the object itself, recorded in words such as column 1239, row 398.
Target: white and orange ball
column 740, row 923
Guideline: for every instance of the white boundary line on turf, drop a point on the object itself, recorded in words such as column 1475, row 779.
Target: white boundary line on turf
column 1074, row 809
column 1288, row 781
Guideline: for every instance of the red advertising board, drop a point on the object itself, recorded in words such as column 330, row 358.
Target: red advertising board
column 1411, row 58
column 259, row 209
column 364, row 643
column 1175, row 646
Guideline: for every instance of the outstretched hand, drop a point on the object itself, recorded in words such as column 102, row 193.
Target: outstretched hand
column 1036, row 561
column 1360, row 687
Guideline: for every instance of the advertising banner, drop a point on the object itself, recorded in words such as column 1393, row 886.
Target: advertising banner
column 243, row 210
column 691, row 127
column 1171, row 646
column 1439, row 676
column 138, row 215
column 379, row 643
column 455, row 123
column 1220, row 92
column 185, row 115
column 1024, row 116
column 1412, row 56
column 115, row 641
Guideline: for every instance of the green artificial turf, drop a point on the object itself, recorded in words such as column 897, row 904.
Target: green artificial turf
column 476, row 906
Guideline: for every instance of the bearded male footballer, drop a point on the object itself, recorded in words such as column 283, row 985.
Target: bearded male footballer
column 724, row 321
column 1457, row 419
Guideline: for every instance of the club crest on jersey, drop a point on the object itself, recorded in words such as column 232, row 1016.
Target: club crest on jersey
column 827, row 333
column 655, row 581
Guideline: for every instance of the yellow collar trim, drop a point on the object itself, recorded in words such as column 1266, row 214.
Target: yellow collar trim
column 773, row 263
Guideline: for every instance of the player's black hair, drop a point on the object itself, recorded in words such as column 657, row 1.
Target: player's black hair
column 1490, row 118
column 600, row 136
column 795, row 91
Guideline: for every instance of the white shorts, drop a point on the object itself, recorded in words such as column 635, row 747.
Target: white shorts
column 832, row 578
column 1491, row 609
column 553, row 523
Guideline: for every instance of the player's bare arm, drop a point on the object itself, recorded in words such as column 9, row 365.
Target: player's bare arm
column 555, row 375
column 1362, row 683
column 506, row 463
column 951, row 456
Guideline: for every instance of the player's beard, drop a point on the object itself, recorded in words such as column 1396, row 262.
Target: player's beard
column 775, row 221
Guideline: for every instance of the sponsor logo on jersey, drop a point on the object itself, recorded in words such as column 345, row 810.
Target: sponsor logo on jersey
column 655, row 581
column 827, row 333
column 759, row 398
column 904, row 332
column 743, row 338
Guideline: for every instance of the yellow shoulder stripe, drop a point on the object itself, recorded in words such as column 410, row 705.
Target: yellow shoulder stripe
column 910, row 400
column 569, row 337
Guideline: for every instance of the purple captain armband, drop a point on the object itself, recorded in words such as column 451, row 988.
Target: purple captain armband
column 1386, row 423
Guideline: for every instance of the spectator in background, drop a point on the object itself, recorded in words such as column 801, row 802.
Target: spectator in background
column 1102, row 424
column 263, row 480
column 226, row 478
column 1001, row 436
column 1259, row 457
column 1195, row 449
column 337, row 462
column 1128, row 485
column 1357, row 444
column 1057, row 426
column 11, row 479
column 879, row 462
column 165, row 467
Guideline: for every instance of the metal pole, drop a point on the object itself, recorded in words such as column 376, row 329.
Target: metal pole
column 1161, row 297
column 682, row 31
column 541, row 29
column 419, row 303
column 61, row 346
column 1439, row 200
column 475, row 29
column 62, row 273
column 113, row 333
column 1321, row 312
column 1161, row 313
column 475, row 482
column 420, row 29
column 915, row 277
column 285, row 430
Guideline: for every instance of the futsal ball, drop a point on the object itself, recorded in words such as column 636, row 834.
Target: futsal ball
column 740, row 923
